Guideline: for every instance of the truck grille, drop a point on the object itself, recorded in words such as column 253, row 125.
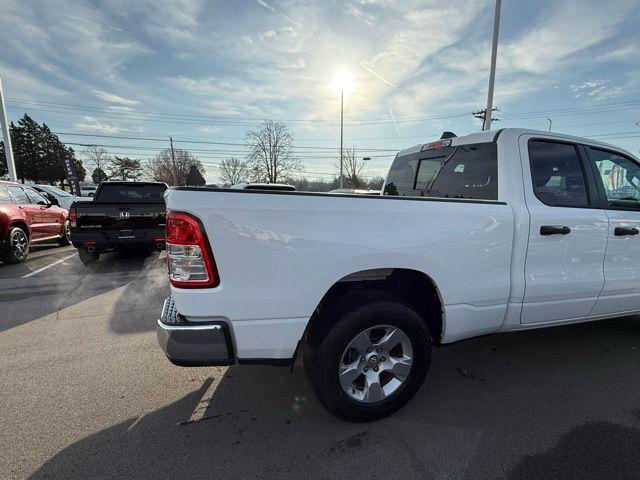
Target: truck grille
column 169, row 313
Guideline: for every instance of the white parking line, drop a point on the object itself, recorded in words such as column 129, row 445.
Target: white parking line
column 35, row 272
column 201, row 407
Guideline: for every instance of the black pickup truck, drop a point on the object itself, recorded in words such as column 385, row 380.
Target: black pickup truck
column 122, row 215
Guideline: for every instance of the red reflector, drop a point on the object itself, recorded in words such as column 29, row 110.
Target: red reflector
column 159, row 239
column 88, row 243
column 437, row 144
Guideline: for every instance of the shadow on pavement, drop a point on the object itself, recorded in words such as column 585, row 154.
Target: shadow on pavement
column 24, row 300
column 594, row 450
column 555, row 403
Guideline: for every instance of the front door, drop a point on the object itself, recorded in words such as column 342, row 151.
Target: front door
column 619, row 184
column 567, row 234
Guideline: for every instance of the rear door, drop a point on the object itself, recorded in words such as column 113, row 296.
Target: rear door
column 618, row 178
column 49, row 219
column 31, row 212
column 568, row 232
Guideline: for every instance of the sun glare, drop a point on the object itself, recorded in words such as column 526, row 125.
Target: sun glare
column 342, row 82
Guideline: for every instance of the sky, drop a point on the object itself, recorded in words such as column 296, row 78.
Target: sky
column 128, row 75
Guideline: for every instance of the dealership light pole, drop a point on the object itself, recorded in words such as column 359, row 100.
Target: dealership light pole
column 492, row 73
column 342, row 82
column 8, row 151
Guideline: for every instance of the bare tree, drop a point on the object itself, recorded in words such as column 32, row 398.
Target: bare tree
column 100, row 160
column 234, row 171
column 162, row 168
column 270, row 152
column 352, row 167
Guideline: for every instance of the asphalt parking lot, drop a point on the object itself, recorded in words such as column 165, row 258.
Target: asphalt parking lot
column 86, row 393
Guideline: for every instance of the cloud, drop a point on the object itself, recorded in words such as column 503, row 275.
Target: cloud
column 113, row 98
column 596, row 90
column 91, row 124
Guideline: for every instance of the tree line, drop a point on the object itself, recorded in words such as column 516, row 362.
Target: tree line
column 39, row 156
column 38, row 153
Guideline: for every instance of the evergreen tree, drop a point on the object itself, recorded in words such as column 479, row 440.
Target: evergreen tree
column 194, row 177
column 98, row 175
column 125, row 168
column 3, row 161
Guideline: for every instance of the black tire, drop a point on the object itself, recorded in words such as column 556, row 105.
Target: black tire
column 65, row 239
column 87, row 257
column 11, row 253
column 350, row 315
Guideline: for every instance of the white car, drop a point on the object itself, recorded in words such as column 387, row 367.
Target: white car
column 57, row 195
column 492, row 232
column 88, row 190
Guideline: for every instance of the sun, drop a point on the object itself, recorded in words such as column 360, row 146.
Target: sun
column 342, row 81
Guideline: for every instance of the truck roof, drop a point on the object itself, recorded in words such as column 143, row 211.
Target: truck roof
column 492, row 135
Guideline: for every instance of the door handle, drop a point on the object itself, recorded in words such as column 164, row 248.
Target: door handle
column 621, row 231
column 554, row 230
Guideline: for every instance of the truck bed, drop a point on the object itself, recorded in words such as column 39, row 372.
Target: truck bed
column 278, row 253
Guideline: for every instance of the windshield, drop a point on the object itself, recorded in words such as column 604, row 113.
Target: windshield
column 57, row 191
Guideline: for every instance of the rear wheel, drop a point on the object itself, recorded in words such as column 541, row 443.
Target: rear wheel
column 17, row 246
column 65, row 239
column 373, row 358
column 87, row 257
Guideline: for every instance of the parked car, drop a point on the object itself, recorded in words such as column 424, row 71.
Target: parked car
column 121, row 215
column 27, row 217
column 57, row 196
column 491, row 232
column 88, row 190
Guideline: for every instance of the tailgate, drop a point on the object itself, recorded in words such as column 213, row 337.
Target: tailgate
column 121, row 222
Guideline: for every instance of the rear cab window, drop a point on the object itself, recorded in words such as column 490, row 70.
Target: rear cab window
column 121, row 193
column 557, row 174
column 462, row 171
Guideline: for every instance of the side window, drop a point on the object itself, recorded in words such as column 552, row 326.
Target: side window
column 4, row 194
column 472, row 172
column 18, row 195
column 557, row 174
column 620, row 177
column 35, row 198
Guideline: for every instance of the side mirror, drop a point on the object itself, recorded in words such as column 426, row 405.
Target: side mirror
column 53, row 200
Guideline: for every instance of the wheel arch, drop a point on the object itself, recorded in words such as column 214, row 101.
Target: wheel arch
column 23, row 225
column 415, row 288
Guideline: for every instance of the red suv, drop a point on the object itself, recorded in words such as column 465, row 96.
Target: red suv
column 27, row 217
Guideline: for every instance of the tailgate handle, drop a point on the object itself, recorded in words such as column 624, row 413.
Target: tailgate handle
column 554, row 230
column 621, row 231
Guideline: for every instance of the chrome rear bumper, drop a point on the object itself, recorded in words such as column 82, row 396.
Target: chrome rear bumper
column 191, row 344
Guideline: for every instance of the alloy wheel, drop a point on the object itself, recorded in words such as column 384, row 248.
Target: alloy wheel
column 19, row 244
column 375, row 364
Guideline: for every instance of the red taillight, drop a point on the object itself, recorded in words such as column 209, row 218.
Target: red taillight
column 189, row 256
column 72, row 216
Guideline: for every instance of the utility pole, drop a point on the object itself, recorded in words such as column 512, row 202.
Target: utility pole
column 8, row 151
column 492, row 72
column 341, row 130
column 173, row 162
column 480, row 115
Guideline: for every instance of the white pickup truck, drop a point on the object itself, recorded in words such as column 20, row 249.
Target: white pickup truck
column 492, row 232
